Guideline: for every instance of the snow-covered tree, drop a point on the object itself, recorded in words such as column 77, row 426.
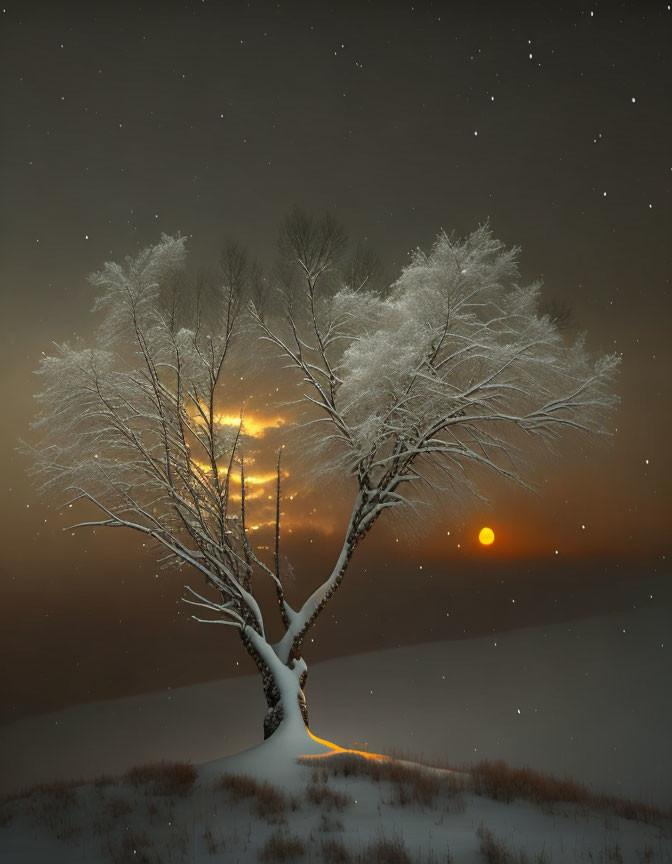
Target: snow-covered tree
column 412, row 392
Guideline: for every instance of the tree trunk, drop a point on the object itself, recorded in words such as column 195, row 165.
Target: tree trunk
column 283, row 685
column 285, row 697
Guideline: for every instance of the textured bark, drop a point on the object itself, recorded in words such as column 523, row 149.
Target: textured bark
column 275, row 712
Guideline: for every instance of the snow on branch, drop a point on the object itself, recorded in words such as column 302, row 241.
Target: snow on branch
column 128, row 426
column 454, row 363
column 410, row 392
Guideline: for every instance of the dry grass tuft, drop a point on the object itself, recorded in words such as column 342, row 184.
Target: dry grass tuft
column 54, row 805
column 46, row 798
column 322, row 794
column 335, row 852
column 329, row 824
column 414, row 784
column 612, row 854
column 270, row 801
column 135, row 841
column 503, row 783
column 63, row 789
column 163, row 778
column 634, row 811
column 238, row 785
column 282, row 847
column 210, row 841
column 56, row 789
column 119, row 806
column 496, row 852
column 134, row 846
column 499, row 781
column 386, row 851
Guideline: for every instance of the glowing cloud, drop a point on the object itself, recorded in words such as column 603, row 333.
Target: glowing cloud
column 253, row 426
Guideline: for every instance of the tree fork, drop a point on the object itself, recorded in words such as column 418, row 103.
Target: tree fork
column 275, row 712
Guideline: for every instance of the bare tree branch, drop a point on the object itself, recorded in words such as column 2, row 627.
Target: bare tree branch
column 405, row 391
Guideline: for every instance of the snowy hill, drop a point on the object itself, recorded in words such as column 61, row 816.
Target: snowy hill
column 590, row 699
column 330, row 806
column 594, row 696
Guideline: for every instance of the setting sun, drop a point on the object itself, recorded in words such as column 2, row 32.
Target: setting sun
column 486, row 536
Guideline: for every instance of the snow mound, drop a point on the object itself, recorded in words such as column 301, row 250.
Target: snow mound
column 330, row 805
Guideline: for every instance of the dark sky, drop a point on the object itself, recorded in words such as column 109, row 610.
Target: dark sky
column 121, row 121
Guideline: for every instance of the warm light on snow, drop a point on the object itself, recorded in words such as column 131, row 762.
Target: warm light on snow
column 334, row 748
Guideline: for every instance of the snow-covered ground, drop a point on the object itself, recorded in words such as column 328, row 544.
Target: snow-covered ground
column 595, row 702
column 316, row 810
column 591, row 699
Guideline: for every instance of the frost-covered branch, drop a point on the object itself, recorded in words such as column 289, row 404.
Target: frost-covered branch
column 454, row 367
column 405, row 391
column 129, row 425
